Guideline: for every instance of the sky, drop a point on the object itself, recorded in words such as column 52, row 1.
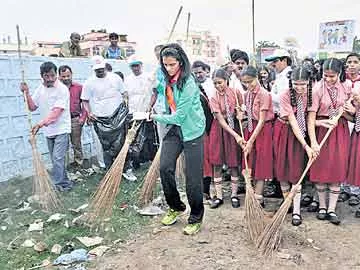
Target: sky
column 148, row 22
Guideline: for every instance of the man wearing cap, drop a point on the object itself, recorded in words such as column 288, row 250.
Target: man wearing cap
column 281, row 62
column 139, row 87
column 71, row 48
column 103, row 99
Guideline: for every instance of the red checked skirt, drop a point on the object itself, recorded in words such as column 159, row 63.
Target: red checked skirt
column 223, row 148
column 260, row 160
column 331, row 165
column 289, row 155
column 353, row 174
column 208, row 171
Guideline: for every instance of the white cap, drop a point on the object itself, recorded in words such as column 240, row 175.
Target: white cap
column 278, row 53
column 134, row 60
column 98, row 62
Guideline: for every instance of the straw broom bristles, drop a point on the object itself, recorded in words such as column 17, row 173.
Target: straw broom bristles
column 103, row 200
column 254, row 213
column 150, row 180
column 269, row 240
column 43, row 188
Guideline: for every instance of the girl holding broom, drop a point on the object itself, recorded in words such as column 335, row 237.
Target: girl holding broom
column 291, row 148
column 330, row 167
column 186, row 122
column 223, row 138
column 258, row 132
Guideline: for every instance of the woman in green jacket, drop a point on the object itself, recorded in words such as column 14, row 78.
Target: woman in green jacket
column 185, row 122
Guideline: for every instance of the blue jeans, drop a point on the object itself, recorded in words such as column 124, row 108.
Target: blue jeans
column 58, row 145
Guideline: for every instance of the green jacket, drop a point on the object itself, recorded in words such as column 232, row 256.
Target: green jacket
column 189, row 113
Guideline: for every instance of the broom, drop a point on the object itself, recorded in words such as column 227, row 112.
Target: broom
column 150, row 180
column 270, row 238
column 43, row 188
column 104, row 197
column 254, row 214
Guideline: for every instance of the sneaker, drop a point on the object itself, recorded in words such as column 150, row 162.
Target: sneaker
column 192, row 229
column 129, row 175
column 170, row 217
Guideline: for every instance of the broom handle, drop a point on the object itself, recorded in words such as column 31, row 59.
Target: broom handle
column 241, row 130
column 311, row 161
column 29, row 117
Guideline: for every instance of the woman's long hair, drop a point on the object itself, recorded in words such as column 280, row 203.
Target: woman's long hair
column 174, row 50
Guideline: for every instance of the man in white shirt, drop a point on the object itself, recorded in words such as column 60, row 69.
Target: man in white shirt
column 139, row 85
column 53, row 100
column 102, row 96
column 240, row 60
column 199, row 70
column 281, row 62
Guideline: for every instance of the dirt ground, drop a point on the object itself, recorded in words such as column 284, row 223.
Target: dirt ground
column 223, row 244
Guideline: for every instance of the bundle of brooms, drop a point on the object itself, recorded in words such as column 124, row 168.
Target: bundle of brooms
column 103, row 199
column 269, row 240
column 254, row 213
column 43, row 189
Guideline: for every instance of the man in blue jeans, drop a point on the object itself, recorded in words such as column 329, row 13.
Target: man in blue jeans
column 52, row 99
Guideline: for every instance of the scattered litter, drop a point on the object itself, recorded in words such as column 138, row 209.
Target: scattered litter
column 78, row 220
column 78, row 255
column 98, row 251
column 151, row 210
column 284, row 256
column 33, row 212
column 28, row 243
column 118, row 241
column 40, row 246
column 311, row 241
column 56, row 249
column 90, row 241
column 68, row 247
column 4, row 210
column 66, row 224
column 78, row 210
column 123, row 206
column 3, row 228
column 23, row 206
column 56, row 217
column 44, row 263
column 37, row 226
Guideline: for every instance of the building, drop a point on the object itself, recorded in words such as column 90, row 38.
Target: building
column 9, row 47
column 201, row 45
column 46, row 48
column 94, row 42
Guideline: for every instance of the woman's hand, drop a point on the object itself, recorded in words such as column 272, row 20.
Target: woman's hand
column 316, row 148
column 240, row 141
column 248, row 148
column 310, row 152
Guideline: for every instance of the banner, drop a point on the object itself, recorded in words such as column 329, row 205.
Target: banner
column 337, row 36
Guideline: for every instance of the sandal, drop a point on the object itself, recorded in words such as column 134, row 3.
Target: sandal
column 216, row 203
column 235, row 202
column 296, row 219
column 313, row 207
column 306, row 200
column 343, row 197
column 322, row 214
column 333, row 218
column 354, row 200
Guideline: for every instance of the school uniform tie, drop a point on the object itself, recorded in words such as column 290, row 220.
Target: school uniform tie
column 333, row 96
column 229, row 116
column 249, row 111
column 357, row 120
column 300, row 115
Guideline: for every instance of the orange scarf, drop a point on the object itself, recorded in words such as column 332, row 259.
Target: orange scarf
column 169, row 92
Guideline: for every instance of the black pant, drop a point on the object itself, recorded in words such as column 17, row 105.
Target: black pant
column 171, row 148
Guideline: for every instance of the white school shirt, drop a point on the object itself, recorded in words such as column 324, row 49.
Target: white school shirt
column 235, row 83
column 209, row 88
column 281, row 84
column 47, row 99
column 139, row 89
column 103, row 94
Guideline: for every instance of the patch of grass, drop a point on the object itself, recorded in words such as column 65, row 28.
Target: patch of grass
column 124, row 221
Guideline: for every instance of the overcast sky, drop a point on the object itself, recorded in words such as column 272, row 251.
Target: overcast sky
column 149, row 21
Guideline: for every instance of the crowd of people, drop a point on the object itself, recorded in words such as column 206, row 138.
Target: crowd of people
column 273, row 117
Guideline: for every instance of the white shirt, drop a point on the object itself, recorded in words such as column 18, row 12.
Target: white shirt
column 209, row 88
column 47, row 99
column 280, row 85
column 103, row 94
column 235, row 83
column 139, row 89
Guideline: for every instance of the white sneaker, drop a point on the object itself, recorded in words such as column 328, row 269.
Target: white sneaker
column 129, row 175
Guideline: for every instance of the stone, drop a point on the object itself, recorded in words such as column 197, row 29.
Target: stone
column 28, row 243
column 56, row 249
column 90, row 241
column 36, row 226
column 40, row 246
column 56, row 217
column 98, row 251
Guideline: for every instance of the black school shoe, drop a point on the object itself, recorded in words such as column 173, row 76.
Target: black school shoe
column 235, row 202
column 216, row 203
column 296, row 221
column 333, row 218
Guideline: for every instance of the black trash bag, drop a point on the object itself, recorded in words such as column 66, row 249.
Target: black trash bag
column 145, row 145
column 112, row 130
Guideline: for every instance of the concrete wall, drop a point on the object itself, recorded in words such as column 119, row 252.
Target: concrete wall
column 15, row 150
